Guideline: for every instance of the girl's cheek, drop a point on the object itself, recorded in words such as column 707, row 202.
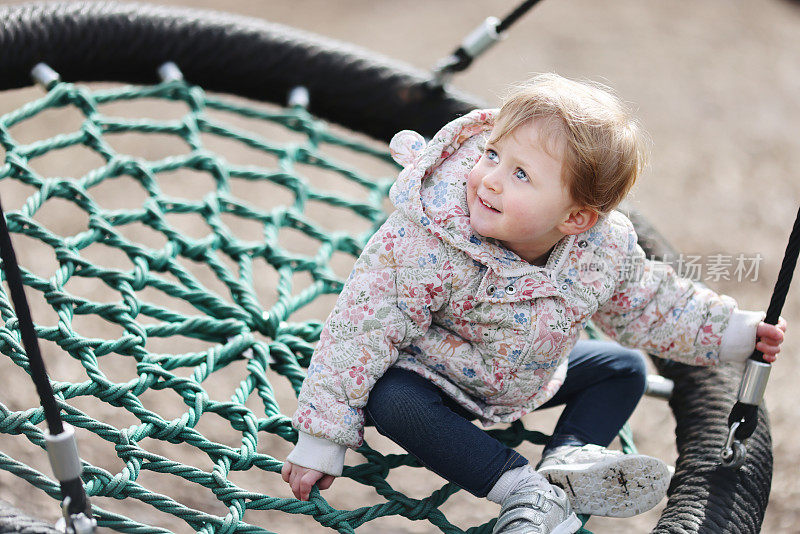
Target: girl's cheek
column 471, row 179
column 474, row 175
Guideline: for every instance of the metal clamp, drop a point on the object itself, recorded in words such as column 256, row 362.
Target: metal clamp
column 734, row 452
column 482, row 38
column 299, row 97
column 659, row 387
column 62, row 450
column 44, row 75
column 75, row 523
column 727, row 448
column 476, row 43
column 169, row 72
column 754, row 382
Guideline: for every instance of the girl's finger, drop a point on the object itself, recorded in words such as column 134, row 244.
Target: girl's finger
column 286, row 471
column 294, row 482
column 307, row 482
column 767, row 349
column 325, row 482
column 770, row 332
column 770, row 341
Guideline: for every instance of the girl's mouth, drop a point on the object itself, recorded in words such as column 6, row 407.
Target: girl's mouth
column 488, row 205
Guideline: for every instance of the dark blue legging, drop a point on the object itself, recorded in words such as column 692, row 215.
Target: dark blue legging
column 604, row 383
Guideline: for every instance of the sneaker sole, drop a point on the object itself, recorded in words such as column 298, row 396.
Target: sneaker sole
column 570, row 525
column 620, row 487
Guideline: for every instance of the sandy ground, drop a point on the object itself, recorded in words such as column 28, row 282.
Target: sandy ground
column 714, row 82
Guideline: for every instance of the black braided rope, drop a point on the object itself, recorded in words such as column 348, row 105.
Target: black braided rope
column 368, row 93
column 515, row 15
column 28, row 334
column 744, row 413
column 784, row 275
column 92, row 41
column 13, row 521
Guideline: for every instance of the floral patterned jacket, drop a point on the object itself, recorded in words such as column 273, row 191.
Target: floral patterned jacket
column 493, row 331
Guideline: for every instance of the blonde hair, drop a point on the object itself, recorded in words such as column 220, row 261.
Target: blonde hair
column 602, row 145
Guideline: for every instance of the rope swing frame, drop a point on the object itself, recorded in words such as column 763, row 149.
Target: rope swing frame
column 251, row 59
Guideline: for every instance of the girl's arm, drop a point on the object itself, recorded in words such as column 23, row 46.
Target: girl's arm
column 655, row 310
column 400, row 279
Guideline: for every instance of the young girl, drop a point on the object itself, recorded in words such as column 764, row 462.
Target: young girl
column 469, row 301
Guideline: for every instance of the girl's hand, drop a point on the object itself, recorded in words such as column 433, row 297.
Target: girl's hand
column 301, row 479
column 769, row 338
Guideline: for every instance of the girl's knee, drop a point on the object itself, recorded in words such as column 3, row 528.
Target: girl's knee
column 395, row 403
column 384, row 399
column 631, row 363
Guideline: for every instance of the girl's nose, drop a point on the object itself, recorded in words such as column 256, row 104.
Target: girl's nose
column 491, row 180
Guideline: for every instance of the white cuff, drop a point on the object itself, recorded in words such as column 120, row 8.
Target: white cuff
column 318, row 453
column 739, row 339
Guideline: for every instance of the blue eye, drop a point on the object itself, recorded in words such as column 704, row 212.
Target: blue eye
column 521, row 175
column 491, row 155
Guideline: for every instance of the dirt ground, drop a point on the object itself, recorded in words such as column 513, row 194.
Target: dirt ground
column 715, row 84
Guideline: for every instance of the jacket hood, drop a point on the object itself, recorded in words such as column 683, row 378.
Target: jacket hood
column 431, row 190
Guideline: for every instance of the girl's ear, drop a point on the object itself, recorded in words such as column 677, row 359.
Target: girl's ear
column 579, row 220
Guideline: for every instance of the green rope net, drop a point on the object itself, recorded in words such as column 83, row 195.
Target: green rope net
column 183, row 296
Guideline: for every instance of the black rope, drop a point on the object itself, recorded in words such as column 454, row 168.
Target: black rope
column 747, row 414
column 515, row 15
column 29, row 339
column 784, row 279
column 461, row 59
column 783, row 282
column 78, row 500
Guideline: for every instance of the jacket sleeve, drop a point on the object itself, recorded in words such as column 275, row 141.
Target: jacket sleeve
column 400, row 279
column 655, row 310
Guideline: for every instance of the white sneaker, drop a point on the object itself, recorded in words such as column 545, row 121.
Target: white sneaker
column 533, row 508
column 604, row 482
